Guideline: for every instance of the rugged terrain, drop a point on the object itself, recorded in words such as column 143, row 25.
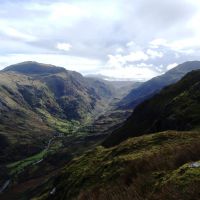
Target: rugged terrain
column 153, row 155
column 38, row 101
column 46, row 112
column 159, row 166
column 176, row 107
column 162, row 165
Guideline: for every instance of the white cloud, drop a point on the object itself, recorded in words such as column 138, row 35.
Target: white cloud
column 130, row 72
column 154, row 54
column 130, row 44
column 186, row 45
column 121, row 60
column 159, row 69
column 64, row 46
column 73, row 12
column 116, row 60
column 118, row 67
column 100, row 28
column 136, row 56
column 60, row 10
column 156, row 43
column 144, row 65
column 171, row 66
column 119, row 50
column 16, row 34
column 63, row 10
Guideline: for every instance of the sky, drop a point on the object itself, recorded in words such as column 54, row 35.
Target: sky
column 123, row 39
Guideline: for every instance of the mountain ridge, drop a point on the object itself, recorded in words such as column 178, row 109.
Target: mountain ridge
column 32, row 67
column 153, row 86
column 176, row 107
column 46, row 100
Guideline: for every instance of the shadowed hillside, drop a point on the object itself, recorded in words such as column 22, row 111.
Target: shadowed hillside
column 176, row 107
column 153, row 86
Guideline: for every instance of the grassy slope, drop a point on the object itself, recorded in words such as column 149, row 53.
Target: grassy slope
column 29, row 117
column 139, row 168
column 22, row 128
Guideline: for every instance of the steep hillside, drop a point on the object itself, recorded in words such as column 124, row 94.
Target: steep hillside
column 176, row 107
column 23, row 130
column 38, row 101
column 158, row 166
column 162, row 165
column 149, row 88
column 77, row 96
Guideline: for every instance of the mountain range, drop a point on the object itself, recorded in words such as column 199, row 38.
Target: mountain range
column 65, row 136
column 154, row 163
column 153, row 86
column 176, row 107
column 38, row 100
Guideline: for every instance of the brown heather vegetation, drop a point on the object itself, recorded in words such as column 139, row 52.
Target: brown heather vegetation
column 140, row 168
column 145, row 177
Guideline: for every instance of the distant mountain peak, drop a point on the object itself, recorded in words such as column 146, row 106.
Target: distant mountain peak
column 32, row 67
